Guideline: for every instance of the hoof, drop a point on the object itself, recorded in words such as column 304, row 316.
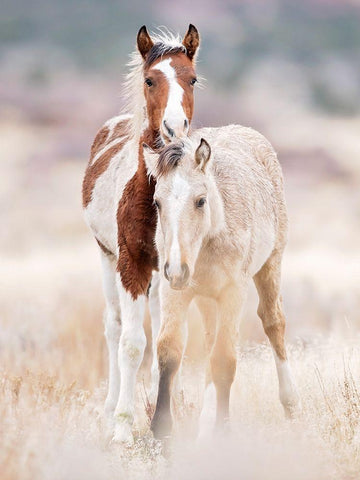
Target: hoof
column 292, row 411
column 292, row 405
column 123, row 434
column 123, row 428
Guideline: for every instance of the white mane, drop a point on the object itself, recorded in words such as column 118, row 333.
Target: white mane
column 134, row 81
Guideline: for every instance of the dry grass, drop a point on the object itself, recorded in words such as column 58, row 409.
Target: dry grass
column 52, row 427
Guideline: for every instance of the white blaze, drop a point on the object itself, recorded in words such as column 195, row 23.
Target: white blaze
column 179, row 194
column 174, row 114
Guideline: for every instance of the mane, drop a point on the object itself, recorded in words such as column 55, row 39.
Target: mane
column 169, row 158
column 134, row 101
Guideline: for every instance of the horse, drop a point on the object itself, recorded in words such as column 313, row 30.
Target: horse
column 118, row 204
column 222, row 221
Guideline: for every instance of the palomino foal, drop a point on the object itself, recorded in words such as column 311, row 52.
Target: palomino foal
column 118, row 204
column 221, row 221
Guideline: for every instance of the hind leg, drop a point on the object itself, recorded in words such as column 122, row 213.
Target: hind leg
column 112, row 324
column 270, row 310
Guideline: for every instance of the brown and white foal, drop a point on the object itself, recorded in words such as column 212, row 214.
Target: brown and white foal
column 118, row 204
column 221, row 222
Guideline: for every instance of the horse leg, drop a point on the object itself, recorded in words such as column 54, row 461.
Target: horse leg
column 112, row 324
column 177, row 395
column 154, row 306
column 131, row 352
column 208, row 310
column 170, row 347
column 223, row 355
column 270, row 310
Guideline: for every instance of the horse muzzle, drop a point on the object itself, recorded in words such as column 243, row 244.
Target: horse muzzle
column 180, row 280
column 171, row 130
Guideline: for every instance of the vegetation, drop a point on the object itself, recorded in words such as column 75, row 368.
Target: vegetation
column 95, row 36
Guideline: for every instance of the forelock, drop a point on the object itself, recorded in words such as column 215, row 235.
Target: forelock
column 161, row 49
column 169, row 158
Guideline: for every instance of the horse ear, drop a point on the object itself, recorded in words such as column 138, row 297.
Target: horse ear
column 150, row 158
column 202, row 154
column 144, row 42
column 191, row 41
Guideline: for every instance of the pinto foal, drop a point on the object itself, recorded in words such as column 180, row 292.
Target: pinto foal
column 118, row 204
column 221, row 222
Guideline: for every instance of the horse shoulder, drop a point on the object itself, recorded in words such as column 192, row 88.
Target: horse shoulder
column 109, row 141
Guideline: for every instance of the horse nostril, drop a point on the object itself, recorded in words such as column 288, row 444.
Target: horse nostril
column 186, row 123
column 166, row 273
column 185, row 272
column 169, row 130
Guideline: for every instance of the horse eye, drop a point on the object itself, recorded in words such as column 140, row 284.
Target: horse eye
column 148, row 82
column 201, row 202
column 193, row 81
column 157, row 204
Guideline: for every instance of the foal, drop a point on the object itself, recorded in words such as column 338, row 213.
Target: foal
column 118, row 204
column 221, row 221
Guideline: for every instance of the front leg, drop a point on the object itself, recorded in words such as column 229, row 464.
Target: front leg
column 170, row 347
column 154, row 306
column 131, row 352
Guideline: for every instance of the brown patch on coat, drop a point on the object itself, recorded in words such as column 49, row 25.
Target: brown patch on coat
column 99, row 141
column 94, row 171
column 97, row 168
column 136, row 220
column 120, row 129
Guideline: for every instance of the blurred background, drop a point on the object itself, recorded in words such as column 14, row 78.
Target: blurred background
column 288, row 69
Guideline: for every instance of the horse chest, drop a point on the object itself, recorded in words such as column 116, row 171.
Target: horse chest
column 211, row 275
column 136, row 221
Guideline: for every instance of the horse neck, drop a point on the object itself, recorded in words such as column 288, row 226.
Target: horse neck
column 150, row 137
column 216, row 205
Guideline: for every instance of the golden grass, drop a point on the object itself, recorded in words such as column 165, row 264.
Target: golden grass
column 52, row 427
